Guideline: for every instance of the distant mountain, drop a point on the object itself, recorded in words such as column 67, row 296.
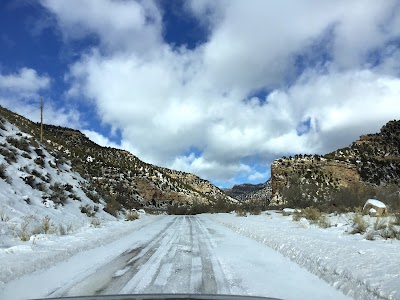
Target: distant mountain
column 117, row 176
column 251, row 192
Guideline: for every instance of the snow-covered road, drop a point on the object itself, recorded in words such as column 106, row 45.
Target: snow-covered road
column 175, row 254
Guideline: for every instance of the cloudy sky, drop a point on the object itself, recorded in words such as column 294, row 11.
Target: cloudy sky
column 217, row 88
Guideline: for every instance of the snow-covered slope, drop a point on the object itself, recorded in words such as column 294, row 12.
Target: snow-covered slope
column 39, row 192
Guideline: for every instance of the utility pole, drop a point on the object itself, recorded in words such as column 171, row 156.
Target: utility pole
column 41, row 120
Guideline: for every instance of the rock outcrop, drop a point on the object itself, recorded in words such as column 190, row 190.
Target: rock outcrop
column 372, row 160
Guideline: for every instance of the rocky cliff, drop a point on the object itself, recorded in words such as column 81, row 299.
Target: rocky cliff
column 372, row 160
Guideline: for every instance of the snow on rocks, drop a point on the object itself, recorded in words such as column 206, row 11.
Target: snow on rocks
column 374, row 207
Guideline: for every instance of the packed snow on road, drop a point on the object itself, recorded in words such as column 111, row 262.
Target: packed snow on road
column 265, row 255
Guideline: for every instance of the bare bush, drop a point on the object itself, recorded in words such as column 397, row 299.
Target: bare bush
column 39, row 161
column 176, row 209
column 314, row 215
column 324, row 222
column 241, row 213
column 57, row 195
column 30, row 180
column 396, row 219
column 255, row 211
column 46, row 225
column 92, row 195
column 10, row 155
column 311, row 213
column 23, row 232
column 359, row 224
column 64, row 229
column 379, row 224
column 95, row 222
column 370, row 236
column 390, row 232
column 21, row 143
column 89, row 210
column 3, row 215
column 296, row 216
column 3, row 171
column 112, row 206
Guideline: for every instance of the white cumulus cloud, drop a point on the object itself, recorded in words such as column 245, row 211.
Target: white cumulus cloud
column 25, row 82
column 312, row 58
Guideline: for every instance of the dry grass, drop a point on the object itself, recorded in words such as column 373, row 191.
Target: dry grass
column 359, row 224
column 314, row 215
column 23, row 233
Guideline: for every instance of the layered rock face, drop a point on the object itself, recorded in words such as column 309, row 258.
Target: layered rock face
column 374, row 159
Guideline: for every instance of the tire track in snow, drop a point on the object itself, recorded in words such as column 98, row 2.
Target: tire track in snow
column 213, row 277
column 112, row 276
column 179, row 259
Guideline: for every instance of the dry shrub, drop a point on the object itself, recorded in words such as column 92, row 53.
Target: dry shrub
column 3, row 172
column 379, row 224
column 57, row 195
column 390, row 232
column 132, row 216
column 64, row 229
column 95, row 222
column 3, row 215
column 296, row 216
column 396, row 219
column 312, row 214
column 315, row 216
column 46, row 225
column 324, row 222
column 241, row 213
column 286, row 213
column 112, row 206
column 370, row 236
column 255, row 211
column 23, row 233
column 359, row 224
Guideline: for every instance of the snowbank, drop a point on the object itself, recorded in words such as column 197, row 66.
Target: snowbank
column 44, row 251
column 360, row 268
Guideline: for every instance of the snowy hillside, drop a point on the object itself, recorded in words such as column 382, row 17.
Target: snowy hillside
column 39, row 193
column 122, row 179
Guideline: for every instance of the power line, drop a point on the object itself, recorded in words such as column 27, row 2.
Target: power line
column 41, row 120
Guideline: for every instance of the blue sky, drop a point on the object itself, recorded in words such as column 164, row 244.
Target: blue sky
column 216, row 88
